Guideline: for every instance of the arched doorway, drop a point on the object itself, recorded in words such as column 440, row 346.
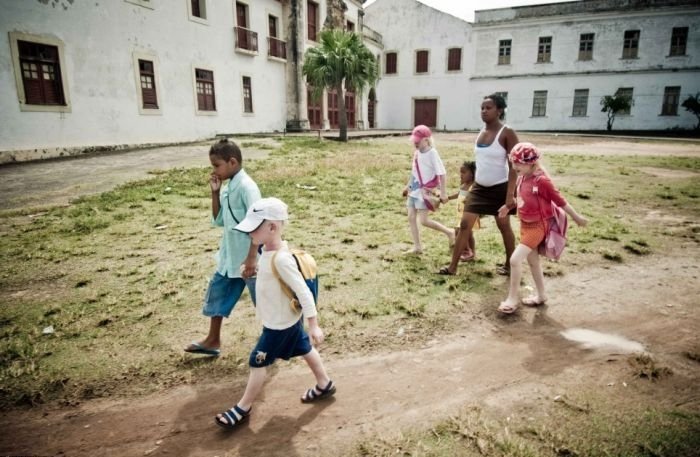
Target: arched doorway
column 371, row 108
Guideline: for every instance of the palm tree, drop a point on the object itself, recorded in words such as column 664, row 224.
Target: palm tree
column 341, row 60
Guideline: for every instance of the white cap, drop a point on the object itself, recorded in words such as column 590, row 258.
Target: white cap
column 266, row 209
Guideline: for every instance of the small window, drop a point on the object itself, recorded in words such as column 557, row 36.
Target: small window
column 350, row 26
column 422, row 61
column 504, row 52
column 199, row 8
column 585, row 46
column 147, row 75
column 454, row 59
column 539, row 103
column 390, row 63
column 311, row 20
column 41, row 73
column 247, row 95
column 580, row 103
column 672, row 96
column 627, row 92
column 630, row 46
column 679, row 40
column 206, row 98
column 544, row 49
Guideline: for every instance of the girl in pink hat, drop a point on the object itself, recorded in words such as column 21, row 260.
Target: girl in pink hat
column 427, row 176
column 535, row 194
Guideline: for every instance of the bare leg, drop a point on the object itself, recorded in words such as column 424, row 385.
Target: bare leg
column 537, row 275
column 516, row 272
column 465, row 231
column 427, row 222
column 415, row 233
column 213, row 339
column 504, row 227
column 256, row 380
column 313, row 359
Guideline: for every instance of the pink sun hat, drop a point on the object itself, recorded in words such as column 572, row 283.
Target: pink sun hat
column 420, row 132
column 524, row 153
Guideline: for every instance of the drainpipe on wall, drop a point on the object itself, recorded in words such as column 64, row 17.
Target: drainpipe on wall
column 296, row 90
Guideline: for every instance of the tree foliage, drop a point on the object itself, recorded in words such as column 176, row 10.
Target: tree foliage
column 614, row 104
column 692, row 104
column 339, row 62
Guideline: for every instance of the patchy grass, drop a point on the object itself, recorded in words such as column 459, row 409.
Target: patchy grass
column 120, row 276
column 605, row 427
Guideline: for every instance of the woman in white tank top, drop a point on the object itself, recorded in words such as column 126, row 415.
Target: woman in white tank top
column 494, row 185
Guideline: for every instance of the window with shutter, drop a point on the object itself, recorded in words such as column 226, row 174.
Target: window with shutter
column 454, row 59
column 247, row 95
column 391, row 59
column 626, row 92
column 311, row 20
column 504, row 52
column 206, row 98
column 544, row 49
column 630, row 45
column 580, row 103
column 585, row 46
column 421, row 61
column 672, row 96
column 148, row 84
column 41, row 73
column 679, row 40
column 539, row 103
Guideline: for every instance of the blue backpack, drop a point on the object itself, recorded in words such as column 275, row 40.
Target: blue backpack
column 306, row 265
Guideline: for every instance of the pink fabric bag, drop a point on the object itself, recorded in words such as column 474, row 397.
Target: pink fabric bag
column 432, row 201
column 554, row 241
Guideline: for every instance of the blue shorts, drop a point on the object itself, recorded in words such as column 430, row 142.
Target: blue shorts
column 415, row 203
column 223, row 294
column 280, row 344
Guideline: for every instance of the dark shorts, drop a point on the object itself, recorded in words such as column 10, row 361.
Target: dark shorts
column 486, row 200
column 223, row 293
column 280, row 344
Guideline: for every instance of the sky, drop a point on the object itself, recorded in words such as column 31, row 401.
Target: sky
column 465, row 8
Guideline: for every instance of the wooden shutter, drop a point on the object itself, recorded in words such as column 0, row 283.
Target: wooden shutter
column 390, row 63
column 206, row 98
column 272, row 24
column 312, row 20
column 41, row 73
column 247, row 95
column 148, row 84
column 196, row 11
column 241, row 15
column 454, row 59
column 421, row 61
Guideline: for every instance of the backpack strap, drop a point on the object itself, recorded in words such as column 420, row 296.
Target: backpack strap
column 285, row 288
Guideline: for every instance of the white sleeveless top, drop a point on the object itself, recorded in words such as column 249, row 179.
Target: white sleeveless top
column 491, row 163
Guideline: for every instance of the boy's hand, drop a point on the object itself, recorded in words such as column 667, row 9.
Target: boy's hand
column 249, row 268
column 503, row 211
column 214, row 182
column 405, row 192
column 316, row 334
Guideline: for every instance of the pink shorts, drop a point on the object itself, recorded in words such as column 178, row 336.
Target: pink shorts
column 532, row 233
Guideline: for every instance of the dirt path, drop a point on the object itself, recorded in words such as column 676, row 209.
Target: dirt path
column 56, row 182
column 494, row 363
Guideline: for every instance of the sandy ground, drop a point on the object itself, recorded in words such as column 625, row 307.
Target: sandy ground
column 607, row 312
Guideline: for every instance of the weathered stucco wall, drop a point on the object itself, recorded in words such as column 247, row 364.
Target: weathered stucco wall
column 100, row 39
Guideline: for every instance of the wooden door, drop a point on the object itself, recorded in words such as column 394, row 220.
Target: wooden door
column 425, row 112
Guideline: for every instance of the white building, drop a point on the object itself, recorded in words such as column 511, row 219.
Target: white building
column 77, row 76
column 553, row 62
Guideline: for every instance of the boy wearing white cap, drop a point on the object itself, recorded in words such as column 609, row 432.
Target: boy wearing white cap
column 283, row 334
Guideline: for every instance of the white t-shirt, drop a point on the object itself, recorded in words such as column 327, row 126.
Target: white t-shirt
column 431, row 167
column 272, row 305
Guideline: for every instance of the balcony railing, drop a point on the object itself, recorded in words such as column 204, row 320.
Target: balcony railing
column 246, row 39
column 276, row 48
